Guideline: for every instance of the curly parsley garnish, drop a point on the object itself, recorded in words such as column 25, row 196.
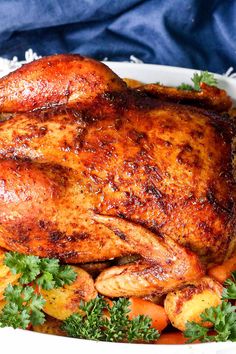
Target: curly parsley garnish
column 23, row 304
column 109, row 323
column 230, row 291
column 46, row 272
column 185, row 87
column 197, row 79
column 222, row 318
column 23, row 307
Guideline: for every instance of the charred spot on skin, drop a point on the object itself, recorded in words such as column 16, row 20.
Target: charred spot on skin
column 196, row 134
column 120, row 234
column 64, row 256
column 88, row 118
column 118, row 99
column 79, row 139
column 22, row 233
column 75, row 236
column 154, row 227
column 217, row 205
column 154, row 171
column 204, row 226
column 137, row 136
column 42, row 224
column 80, row 236
column 112, row 184
column 64, row 146
column 56, row 236
column 22, row 239
column 227, row 173
column 187, row 157
column 118, row 124
column 132, row 200
column 225, row 129
column 151, row 189
column 121, row 215
column 187, row 147
column 130, row 167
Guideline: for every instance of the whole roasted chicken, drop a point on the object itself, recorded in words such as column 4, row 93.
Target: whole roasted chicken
column 92, row 170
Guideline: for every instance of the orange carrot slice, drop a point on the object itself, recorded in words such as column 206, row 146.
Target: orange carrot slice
column 155, row 312
column 223, row 271
column 171, row 338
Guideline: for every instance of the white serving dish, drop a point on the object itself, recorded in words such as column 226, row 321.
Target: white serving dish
column 167, row 75
column 26, row 342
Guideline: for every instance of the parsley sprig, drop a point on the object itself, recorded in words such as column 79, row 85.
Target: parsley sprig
column 197, row 79
column 23, row 306
column 46, row 272
column 230, row 291
column 222, row 319
column 109, row 323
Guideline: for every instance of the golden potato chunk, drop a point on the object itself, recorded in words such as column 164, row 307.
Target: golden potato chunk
column 6, row 277
column 188, row 303
column 63, row 302
column 50, row 326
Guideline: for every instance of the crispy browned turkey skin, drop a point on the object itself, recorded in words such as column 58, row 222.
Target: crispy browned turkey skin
column 105, row 171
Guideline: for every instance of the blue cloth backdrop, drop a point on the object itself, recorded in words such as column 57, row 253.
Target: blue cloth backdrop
column 197, row 34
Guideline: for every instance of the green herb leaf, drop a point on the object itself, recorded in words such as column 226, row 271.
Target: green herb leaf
column 197, row 79
column 230, row 291
column 203, row 77
column 195, row 331
column 221, row 317
column 185, row 87
column 114, row 326
column 46, row 272
column 22, row 307
column 140, row 330
column 89, row 326
column 65, row 275
column 27, row 266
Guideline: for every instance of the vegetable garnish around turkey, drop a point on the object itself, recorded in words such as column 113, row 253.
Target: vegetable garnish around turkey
column 198, row 79
column 45, row 272
column 136, row 180
column 23, row 303
column 218, row 324
column 23, row 307
column 101, row 321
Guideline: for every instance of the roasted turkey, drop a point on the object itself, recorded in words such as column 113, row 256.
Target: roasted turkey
column 92, row 170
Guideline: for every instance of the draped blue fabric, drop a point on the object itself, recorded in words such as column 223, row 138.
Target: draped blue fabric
column 197, row 34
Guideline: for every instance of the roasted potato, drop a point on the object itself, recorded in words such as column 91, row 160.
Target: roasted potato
column 50, row 326
column 223, row 271
column 188, row 303
column 6, row 277
column 63, row 302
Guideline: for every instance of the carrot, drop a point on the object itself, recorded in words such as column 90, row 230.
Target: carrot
column 155, row 312
column 171, row 338
column 223, row 271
